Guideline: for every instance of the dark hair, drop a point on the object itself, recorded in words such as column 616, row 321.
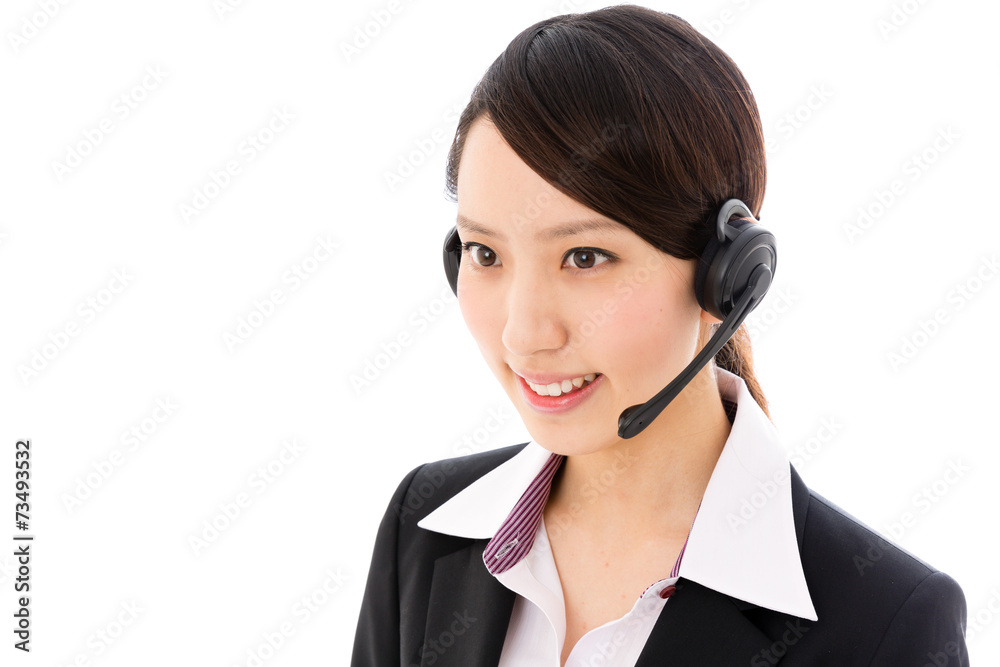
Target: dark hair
column 636, row 115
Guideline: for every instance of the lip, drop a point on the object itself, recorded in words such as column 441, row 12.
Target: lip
column 549, row 378
column 557, row 404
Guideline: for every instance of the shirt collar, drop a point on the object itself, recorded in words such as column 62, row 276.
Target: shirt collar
column 742, row 542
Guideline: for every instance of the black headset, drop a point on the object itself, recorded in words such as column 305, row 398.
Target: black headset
column 734, row 272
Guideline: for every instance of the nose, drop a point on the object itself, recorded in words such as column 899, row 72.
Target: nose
column 534, row 316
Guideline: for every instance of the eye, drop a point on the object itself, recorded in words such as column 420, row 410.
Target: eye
column 587, row 258
column 480, row 254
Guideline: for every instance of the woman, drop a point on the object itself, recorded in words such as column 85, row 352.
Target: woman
column 596, row 161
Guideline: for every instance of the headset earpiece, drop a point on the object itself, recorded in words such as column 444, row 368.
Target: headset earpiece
column 725, row 266
column 452, row 258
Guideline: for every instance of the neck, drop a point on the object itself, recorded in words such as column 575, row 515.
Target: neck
column 653, row 482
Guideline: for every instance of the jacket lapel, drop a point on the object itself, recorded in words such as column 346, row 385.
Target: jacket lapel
column 468, row 612
column 699, row 626
column 800, row 504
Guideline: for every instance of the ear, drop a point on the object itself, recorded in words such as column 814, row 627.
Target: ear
column 709, row 317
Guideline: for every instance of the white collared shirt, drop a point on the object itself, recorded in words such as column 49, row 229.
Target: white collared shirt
column 742, row 543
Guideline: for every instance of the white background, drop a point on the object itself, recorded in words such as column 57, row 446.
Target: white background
column 822, row 350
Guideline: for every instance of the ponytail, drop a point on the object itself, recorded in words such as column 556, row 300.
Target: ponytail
column 736, row 356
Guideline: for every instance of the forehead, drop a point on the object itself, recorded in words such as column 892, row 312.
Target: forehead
column 499, row 193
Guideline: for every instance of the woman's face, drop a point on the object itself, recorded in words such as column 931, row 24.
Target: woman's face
column 547, row 303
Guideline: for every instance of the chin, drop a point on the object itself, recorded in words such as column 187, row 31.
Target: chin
column 586, row 429
column 567, row 439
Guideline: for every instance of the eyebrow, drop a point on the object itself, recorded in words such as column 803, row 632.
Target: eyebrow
column 563, row 231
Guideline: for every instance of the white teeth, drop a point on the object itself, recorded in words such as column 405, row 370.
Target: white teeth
column 560, row 388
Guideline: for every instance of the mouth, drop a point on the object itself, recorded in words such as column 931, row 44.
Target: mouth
column 563, row 387
column 559, row 396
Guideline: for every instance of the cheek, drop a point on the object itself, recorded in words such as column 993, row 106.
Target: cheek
column 484, row 323
column 471, row 314
column 652, row 336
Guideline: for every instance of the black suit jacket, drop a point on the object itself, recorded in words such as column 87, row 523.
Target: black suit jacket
column 430, row 600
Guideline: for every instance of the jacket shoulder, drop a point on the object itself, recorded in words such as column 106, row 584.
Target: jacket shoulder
column 430, row 485
column 397, row 596
column 858, row 579
column 866, row 552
